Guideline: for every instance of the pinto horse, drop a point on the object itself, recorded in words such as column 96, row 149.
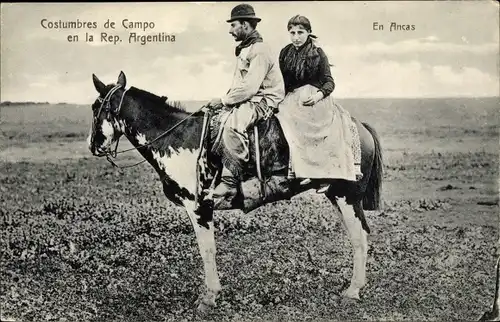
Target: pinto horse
column 174, row 143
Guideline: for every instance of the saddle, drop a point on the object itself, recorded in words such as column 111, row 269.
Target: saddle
column 268, row 149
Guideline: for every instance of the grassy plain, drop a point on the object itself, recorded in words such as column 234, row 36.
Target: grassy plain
column 82, row 241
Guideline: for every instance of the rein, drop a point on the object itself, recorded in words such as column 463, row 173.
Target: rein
column 112, row 154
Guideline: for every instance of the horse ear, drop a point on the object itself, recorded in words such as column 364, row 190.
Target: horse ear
column 122, row 80
column 99, row 86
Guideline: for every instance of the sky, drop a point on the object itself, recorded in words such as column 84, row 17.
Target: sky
column 452, row 51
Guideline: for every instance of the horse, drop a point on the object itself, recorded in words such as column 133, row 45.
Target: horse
column 174, row 143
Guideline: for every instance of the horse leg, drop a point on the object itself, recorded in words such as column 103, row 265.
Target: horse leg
column 203, row 225
column 354, row 222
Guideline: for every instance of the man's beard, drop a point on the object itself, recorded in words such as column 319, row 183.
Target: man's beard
column 239, row 37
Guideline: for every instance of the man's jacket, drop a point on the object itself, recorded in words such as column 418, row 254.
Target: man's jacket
column 257, row 75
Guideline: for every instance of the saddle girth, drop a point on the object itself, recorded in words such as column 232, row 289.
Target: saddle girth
column 263, row 191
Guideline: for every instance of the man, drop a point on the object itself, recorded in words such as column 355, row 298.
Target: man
column 256, row 90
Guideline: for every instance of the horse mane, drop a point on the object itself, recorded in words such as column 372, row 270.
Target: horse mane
column 160, row 101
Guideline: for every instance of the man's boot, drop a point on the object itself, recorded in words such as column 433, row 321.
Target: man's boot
column 227, row 186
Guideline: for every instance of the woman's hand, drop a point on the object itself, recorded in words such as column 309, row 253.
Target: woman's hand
column 215, row 103
column 313, row 99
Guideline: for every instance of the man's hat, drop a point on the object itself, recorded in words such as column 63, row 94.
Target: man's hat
column 243, row 11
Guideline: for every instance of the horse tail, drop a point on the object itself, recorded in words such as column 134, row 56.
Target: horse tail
column 372, row 197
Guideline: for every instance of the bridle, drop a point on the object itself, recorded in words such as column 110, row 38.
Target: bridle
column 106, row 106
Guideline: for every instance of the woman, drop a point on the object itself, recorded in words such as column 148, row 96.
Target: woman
column 323, row 139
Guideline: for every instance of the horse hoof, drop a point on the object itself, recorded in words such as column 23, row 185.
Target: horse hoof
column 351, row 294
column 205, row 304
column 203, row 308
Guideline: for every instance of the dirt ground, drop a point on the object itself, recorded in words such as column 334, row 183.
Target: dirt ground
column 82, row 241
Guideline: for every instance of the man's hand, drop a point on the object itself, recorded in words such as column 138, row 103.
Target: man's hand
column 215, row 103
column 313, row 99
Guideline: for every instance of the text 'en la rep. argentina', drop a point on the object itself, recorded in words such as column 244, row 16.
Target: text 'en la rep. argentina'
column 141, row 31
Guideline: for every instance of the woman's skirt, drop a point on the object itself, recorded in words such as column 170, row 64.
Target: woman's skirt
column 320, row 136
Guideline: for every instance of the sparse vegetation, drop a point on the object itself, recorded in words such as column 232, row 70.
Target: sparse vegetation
column 82, row 241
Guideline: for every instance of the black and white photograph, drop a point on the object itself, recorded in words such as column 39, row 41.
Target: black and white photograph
column 250, row 161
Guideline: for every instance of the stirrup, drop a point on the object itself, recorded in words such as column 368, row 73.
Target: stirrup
column 224, row 189
column 227, row 186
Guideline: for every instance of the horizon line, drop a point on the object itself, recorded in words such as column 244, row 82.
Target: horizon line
column 339, row 98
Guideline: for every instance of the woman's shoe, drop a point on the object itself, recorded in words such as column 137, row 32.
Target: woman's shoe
column 323, row 188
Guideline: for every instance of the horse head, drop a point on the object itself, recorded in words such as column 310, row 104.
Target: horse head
column 106, row 129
